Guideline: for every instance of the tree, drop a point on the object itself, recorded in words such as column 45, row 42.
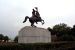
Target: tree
column 16, row 39
column 51, row 30
column 1, row 37
column 73, row 30
column 62, row 31
column 6, row 38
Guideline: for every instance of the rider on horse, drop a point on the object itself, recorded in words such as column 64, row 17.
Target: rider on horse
column 36, row 14
column 35, row 17
column 33, row 13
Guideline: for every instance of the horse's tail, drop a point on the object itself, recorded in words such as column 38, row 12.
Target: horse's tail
column 26, row 19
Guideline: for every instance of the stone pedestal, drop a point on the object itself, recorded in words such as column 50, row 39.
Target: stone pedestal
column 34, row 35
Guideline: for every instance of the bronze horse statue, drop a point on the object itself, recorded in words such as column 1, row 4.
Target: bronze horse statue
column 33, row 20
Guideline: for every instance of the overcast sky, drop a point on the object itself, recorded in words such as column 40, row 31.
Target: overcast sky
column 13, row 12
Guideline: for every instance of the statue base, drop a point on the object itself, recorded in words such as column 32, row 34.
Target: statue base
column 34, row 35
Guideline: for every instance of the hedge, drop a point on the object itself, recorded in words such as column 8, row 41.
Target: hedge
column 38, row 46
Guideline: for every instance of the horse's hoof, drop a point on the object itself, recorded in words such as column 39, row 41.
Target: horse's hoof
column 42, row 23
column 34, row 26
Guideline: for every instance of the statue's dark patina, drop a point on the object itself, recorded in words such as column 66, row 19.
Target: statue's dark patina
column 35, row 18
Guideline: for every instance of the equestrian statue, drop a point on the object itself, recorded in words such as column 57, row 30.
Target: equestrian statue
column 35, row 18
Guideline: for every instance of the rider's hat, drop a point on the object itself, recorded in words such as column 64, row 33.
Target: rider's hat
column 32, row 9
column 36, row 7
